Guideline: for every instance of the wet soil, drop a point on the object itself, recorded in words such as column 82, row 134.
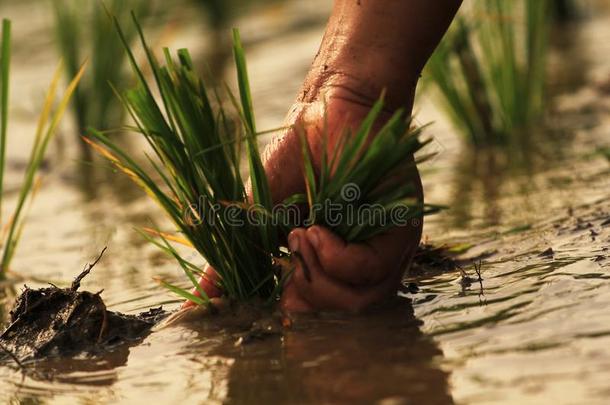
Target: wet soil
column 52, row 321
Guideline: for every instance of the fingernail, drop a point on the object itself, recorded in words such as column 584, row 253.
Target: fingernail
column 293, row 242
column 314, row 237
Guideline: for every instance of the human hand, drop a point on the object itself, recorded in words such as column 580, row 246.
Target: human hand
column 368, row 47
column 328, row 272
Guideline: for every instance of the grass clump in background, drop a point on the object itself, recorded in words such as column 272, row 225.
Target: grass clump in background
column 47, row 127
column 84, row 30
column 196, row 174
column 490, row 69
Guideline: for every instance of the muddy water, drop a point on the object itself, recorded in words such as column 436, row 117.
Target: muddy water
column 536, row 329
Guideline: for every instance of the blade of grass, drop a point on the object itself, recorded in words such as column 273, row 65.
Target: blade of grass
column 260, row 187
column 181, row 292
column 4, row 86
column 41, row 142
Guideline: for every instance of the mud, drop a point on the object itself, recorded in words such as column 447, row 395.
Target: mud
column 54, row 321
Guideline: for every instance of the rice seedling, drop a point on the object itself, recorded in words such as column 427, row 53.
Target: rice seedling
column 5, row 65
column 196, row 176
column 490, row 69
column 47, row 127
column 85, row 31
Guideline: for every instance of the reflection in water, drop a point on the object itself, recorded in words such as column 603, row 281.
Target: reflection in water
column 491, row 187
column 331, row 358
column 339, row 359
column 476, row 181
column 481, row 178
column 86, row 370
column 50, row 378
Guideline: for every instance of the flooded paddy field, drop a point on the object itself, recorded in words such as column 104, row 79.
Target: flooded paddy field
column 533, row 328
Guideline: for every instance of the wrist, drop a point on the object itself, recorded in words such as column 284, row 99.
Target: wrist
column 361, row 83
column 359, row 60
column 376, row 45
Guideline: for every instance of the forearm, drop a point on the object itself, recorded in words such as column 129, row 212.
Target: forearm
column 372, row 45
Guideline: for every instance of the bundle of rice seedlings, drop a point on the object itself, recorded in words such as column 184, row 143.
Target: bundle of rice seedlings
column 196, row 175
column 490, row 69
column 85, row 31
column 47, row 127
column 198, row 161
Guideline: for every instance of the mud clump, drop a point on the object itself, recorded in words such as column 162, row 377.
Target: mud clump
column 57, row 322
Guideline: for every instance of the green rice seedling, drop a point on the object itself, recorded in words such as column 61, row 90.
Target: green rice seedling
column 47, row 127
column 85, row 31
column 4, row 94
column 490, row 69
column 364, row 182
column 196, row 178
column 198, row 162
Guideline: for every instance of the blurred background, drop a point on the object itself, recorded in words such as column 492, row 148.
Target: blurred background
column 522, row 134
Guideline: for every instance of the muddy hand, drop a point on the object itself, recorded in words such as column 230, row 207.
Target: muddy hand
column 368, row 47
column 329, row 273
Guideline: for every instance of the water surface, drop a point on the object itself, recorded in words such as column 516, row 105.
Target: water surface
column 535, row 330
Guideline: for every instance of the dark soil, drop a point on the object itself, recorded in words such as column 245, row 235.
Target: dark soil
column 57, row 322
column 431, row 259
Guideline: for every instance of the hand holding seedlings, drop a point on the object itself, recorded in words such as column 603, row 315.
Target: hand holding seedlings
column 348, row 257
column 331, row 273
column 349, row 73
